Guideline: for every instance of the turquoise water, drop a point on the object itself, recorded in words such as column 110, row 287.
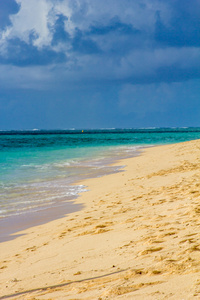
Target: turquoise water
column 38, row 169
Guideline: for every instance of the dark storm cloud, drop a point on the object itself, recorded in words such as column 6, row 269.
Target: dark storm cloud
column 59, row 33
column 7, row 8
column 20, row 53
column 92, row 63
column 132, row 48
column 115, row 26
column 84, row 45
column 183, row 28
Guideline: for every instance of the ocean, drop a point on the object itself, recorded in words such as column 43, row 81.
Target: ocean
column 40, row 171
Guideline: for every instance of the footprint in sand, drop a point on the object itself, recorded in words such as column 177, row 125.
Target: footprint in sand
column 151, row 250
column 31, row 248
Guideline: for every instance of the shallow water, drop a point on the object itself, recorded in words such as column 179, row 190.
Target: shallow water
column 39, row 169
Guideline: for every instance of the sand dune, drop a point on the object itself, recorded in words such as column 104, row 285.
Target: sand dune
column 137, row 237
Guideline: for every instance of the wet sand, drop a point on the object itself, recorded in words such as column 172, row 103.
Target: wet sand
column 10, row 226
column 137, row 236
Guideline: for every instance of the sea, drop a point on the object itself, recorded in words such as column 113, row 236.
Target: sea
column 41, row 170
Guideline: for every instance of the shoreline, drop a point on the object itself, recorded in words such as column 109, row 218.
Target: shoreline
column 137, row 236
column 11, row 225
column 14, row 224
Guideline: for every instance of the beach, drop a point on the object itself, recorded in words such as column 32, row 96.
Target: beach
column 137, row 236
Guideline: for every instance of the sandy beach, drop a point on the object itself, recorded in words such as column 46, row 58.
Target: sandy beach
column 137, row 236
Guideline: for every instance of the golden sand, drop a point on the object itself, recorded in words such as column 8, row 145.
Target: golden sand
column 138, row 236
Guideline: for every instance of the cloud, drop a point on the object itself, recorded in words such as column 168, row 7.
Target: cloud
column 115, row 26
column 60, row 35
column 142, row 66
column 183, row 26
column 84, row 45
column 91, row 41
column 87, row 16
column 7, row 8
column 32, row 18
column 20, row 53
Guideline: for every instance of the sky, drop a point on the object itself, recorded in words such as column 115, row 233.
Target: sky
column 99, row 64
